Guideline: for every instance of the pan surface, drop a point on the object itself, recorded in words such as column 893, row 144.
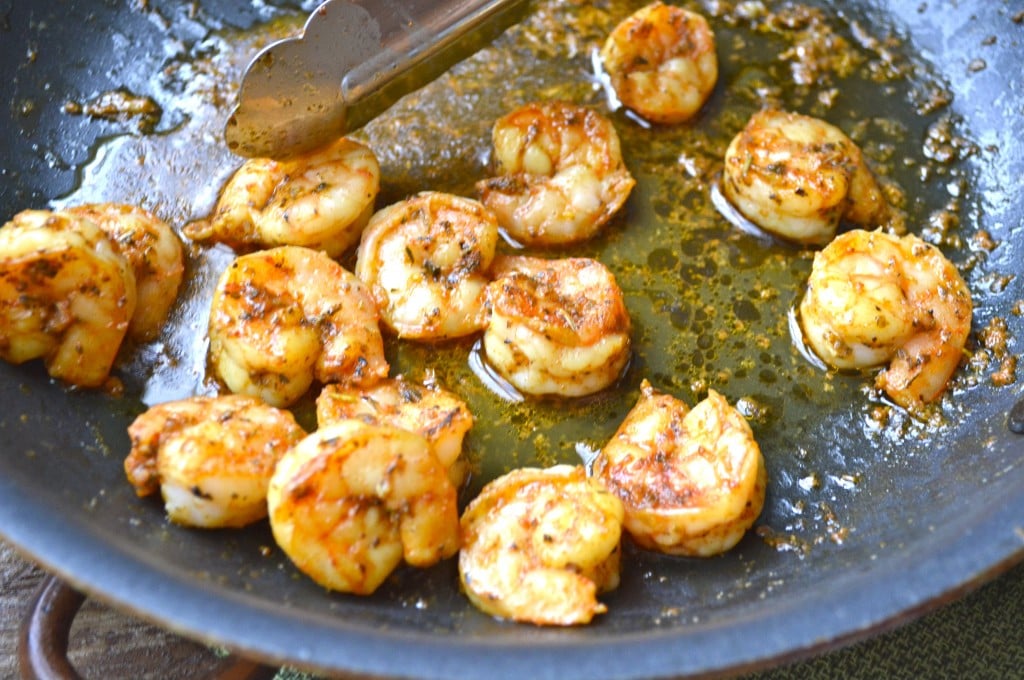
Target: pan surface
column 872, row 516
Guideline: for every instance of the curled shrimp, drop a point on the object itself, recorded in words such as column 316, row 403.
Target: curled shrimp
column 798, row 177
column 540, row 544
column 874, row 298
column 427, row 409
column 661, row 60
column 426, row 262
column 692, row 481
column 557, row 327
column 67, row 296
column 154, row 253
column 321, row 200
column 281, row 318
column 560, row 173
column 211, row 458
column 352, row 500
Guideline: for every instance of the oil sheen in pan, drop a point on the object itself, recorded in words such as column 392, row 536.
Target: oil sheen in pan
column 711, row 303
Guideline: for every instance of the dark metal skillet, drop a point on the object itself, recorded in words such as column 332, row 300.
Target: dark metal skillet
column 926, row 520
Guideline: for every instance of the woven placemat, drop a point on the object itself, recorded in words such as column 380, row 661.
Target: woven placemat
column 976, row 638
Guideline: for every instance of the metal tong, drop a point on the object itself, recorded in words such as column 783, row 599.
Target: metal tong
column 353, row 60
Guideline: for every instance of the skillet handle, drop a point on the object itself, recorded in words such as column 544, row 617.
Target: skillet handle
column 46, row 629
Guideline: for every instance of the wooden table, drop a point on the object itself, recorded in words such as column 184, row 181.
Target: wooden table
column 979, row 637
column 104, row 642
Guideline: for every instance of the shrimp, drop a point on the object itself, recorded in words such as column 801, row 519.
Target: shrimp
column 284, row 316
column 798, row 177
column 321, row 200
column 66, row 296
column 540, row 544
column 561, row 174
column 428, row 410
column 352, row 500
column 156, row 257
column 426, row 262
column 662, row 63
column 874, row 298
column 692, row 481
column 557, row 327
column 211, row 458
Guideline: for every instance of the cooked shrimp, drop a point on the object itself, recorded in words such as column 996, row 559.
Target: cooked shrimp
column 661, row 61
column 428, row 410
column 540, row 544
column 66, row 296
column 692, row 481
column 154, row 253
column 321, row 200
column 426, row 262
column 798, row 177
column 557, row 327
column 211, row 458
column 874, row 298
column 352, row 500
column 561, row 174
column 284, row 316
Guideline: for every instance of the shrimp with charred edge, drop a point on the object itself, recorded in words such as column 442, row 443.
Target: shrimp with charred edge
column 557, row 327
column 427, row 409
column 320, row 200
column 798, row 177
column 154, row 253
column 692, row 481
column 281, row 318
column 560, row 173
column 351, row 501
column 662, row 62
column 874, row 298
column 210, row 458
column 426, row 260
column 539, row 545
column 67, row 296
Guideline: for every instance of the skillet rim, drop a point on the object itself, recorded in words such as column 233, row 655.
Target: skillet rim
column 960, row 558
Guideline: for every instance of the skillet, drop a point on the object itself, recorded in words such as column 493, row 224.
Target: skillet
column 869, row 522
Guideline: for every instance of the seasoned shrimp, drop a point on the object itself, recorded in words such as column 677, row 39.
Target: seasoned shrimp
column 561, row 174
column 557, row 327
column 426, row 262
column 428, row 410
column 67, row 296
column 211, row 458
column 284, row 316
column 874, row 298
column 798, row 177
column 540, row 544
column 661, row 61
column 321, row 200
column 154, row 253
column 352, row 500
column 692, row 481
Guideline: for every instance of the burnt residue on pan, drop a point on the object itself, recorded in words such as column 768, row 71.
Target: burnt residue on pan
column 711, row 302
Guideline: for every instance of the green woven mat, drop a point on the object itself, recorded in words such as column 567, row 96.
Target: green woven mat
column 980, row 637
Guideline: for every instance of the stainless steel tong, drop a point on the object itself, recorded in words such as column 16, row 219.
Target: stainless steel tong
column 353, row 60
